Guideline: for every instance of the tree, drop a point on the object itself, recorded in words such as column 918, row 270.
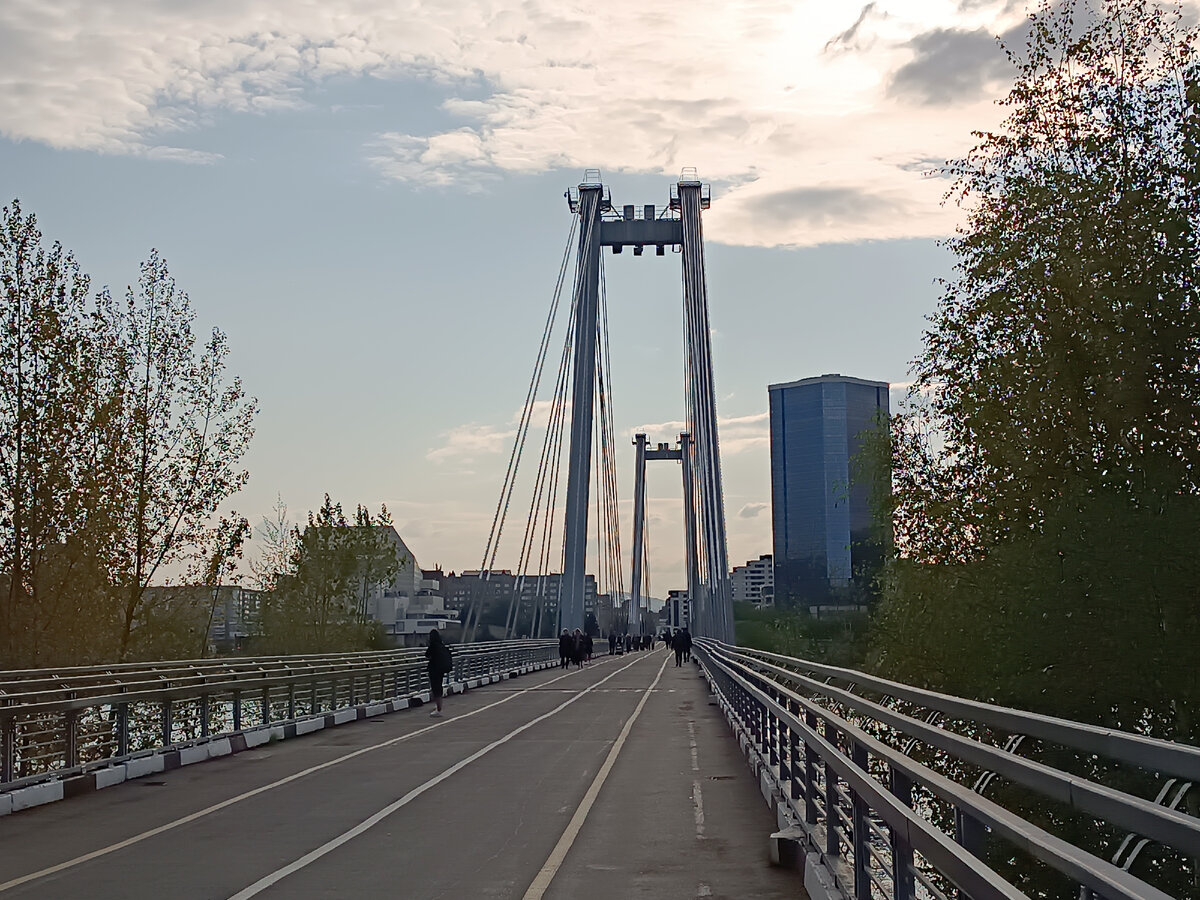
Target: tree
column 1047, row 489
column 277, row 548
column 50, row 410
column 185, row 426
column 319, row 604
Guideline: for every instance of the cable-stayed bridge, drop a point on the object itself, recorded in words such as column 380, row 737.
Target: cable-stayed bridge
column 638, row 775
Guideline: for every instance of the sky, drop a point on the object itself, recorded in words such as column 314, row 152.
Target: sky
column 367, row 197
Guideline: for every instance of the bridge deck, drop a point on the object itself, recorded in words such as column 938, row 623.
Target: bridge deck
column 517, row 791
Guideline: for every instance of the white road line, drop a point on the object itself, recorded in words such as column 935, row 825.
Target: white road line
column 698, row 809
column 217, row 807
column 329, row 846
column 692, row 742
column 542, row 881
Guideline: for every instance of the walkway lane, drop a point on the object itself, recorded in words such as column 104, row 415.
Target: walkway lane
column 487, row 830
column 680, row 816
column 235, row 845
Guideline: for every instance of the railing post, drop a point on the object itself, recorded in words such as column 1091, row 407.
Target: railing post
column 858, row 825
column 810, row 773
column 122, row 724
column 902, row 852
column 794, row 754
column 831, row 799
column 237, row 710
column 773, row 755
column 312, row 702
column 8, row 747
column 167, row 721
column 204, row 713
column 266, row 706
column 71, row 737
column 291, row 713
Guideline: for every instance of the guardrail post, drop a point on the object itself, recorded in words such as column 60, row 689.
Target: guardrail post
column 266, row 706
column 291, row 713
column 773, row 749
column 902, row 852
column 237, row 710
column 831, row 799
column 8, row 747
column 810, row 773
column 71, row 737
column 312, row 701
column 167, row 721
column 794, row 754
column 971, row 835
column 858, row 825
column 204, row 715
column 122, row 724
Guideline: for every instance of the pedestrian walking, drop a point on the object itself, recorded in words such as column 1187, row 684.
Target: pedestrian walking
column 564, row 649
column 577, row 648
column 438, row 664
column 687, row 645
column 678, row 642
column 588, row 647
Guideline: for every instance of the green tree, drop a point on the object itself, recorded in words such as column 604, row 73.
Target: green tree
column 1047, row 486
column 51, row 408
column 185, row 426
column 319, row 604
column 1063, row 394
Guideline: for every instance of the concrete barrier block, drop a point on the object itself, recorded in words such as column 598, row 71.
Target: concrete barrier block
column 219, row 747
column 376, row 709
column 818, row 882
column 400, row 704
column 5, row 804
column 787, row 848
column 189, row 755
column 256, row 737
column 342, row 716
column 110, row 776
column 146, row 765
column 36, row 795
column 309, row 725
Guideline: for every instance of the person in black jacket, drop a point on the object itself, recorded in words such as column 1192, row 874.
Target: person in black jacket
column 565, row 646
column 438, row 664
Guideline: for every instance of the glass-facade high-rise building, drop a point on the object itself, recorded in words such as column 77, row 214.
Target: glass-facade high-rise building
column 822, row 521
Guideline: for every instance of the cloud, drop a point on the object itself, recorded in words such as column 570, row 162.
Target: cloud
column 466, row 443
column 848, row 39
column 803, row 145
column 751, row 510
column 737, row 434
column 951, row 66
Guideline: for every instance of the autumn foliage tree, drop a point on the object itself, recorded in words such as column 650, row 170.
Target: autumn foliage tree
column 119, row 438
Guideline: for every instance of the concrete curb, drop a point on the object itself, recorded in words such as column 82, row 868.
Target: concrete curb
column 794, row 845
column 150, row 762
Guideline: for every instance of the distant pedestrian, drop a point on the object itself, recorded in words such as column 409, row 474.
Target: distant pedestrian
column 577, row 648
column 612, row 643
column 438, row 663
column 678, row 644
column 564, row 649
column 687, row 645
column 588, row 647
column 628, row 643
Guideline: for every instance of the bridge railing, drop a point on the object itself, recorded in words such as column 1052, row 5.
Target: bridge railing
column 55, row 723
column 887, row 790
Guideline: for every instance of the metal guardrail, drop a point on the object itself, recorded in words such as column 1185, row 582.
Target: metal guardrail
column 56, row 723
column 868, row 782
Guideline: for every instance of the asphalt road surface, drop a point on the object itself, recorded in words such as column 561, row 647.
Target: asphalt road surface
column 619, row 780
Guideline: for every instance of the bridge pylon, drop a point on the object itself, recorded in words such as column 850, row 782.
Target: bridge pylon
column 678, row 225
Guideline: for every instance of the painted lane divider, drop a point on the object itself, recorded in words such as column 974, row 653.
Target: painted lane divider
column 543, row 878
column 345, row 837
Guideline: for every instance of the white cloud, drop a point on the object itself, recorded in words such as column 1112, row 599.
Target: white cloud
column 751, row 510
column 806, row 141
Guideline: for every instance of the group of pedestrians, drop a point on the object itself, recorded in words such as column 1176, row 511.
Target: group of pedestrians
column 574, row 647
column 629, row 642
column 681, row 643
